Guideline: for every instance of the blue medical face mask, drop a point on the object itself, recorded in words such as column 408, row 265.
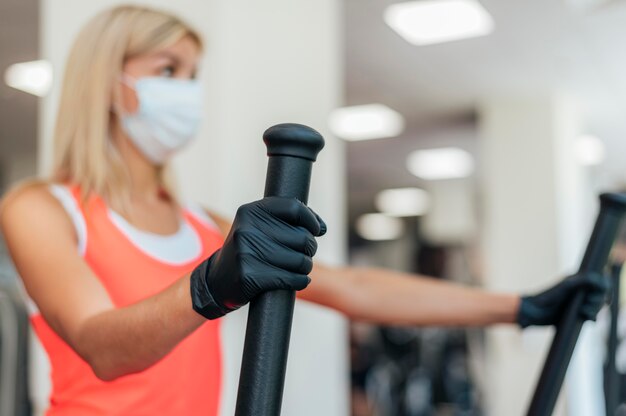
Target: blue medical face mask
column 168, row 116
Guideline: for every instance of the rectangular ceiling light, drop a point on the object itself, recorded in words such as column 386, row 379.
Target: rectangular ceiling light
column 403, row 202
column 427, row 22
column 442, row 163
column 379, row 227
column 366, row 122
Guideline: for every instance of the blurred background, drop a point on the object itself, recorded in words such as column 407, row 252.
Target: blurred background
column 466, row 140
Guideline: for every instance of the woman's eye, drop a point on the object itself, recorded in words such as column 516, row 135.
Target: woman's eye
column 168, row 71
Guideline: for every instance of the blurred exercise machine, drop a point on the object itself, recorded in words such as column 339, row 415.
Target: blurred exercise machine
column 596, row 260
column 614, row 397
column 14, row 397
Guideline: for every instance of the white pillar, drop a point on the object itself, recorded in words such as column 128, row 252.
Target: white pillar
column 265, row 63
column 536, row 222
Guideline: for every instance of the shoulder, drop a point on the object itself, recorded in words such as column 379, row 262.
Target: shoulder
column 27, row 186
column 25, row 194
column 31, row 200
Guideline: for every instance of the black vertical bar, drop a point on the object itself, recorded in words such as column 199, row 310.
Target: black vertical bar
column 611, row 377
column 292, row 149
column 612, row 208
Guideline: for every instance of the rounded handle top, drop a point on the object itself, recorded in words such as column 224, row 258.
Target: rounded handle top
column 614, row 200
column 296, row 140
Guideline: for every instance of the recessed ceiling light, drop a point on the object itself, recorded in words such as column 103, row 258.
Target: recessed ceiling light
column 403, row 202
column 442, row 163
column 426, row 22
column 34, row 77
column 365, row 122
column 590, row 150
column 379, row 227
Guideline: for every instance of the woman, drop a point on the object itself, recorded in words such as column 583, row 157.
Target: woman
column 128, row 283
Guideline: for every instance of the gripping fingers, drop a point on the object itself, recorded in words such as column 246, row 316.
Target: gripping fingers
column 301, row 241
column 589, row 312
column 292, row 261
column 295, row 213
column 256, row 248
column 323, row 227
column 597, row 282
column 294, row 281
column 278, row 279
column 591, row 307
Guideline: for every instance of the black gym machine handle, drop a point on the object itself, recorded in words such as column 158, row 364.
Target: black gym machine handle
column 612, row 378
column 292, row 149
column 612, row 209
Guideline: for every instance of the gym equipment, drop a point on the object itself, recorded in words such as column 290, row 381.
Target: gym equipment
column 612, row 379
column 292, row 149
column 13, row 353
column 612, row 210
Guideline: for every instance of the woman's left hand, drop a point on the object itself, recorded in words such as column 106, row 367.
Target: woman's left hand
column 547, row 307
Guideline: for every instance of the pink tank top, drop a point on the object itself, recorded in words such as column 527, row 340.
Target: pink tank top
column 185, row 382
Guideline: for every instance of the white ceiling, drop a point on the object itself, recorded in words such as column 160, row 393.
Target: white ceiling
column 537, row 47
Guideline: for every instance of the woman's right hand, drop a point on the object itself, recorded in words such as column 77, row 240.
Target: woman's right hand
column 270, row 246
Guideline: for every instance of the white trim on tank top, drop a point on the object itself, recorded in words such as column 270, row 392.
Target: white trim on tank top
column 178, row 248
column 65, row 198
column 174, row 249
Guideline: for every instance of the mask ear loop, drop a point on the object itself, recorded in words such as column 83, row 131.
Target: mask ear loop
column 129, row 81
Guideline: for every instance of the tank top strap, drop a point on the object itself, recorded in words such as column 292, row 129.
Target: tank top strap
column 68, row 197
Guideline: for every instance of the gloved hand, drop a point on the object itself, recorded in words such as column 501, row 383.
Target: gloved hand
column 546, row 308
column 270, row 246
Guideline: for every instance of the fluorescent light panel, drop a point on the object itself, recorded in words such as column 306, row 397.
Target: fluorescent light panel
column 379, row 227
column 427, row 22
column 403, row 202
column 442, row 163
column 34, row 77
column 366, row 122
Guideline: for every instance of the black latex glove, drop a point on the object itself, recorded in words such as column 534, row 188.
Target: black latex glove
column 270, row 246
column 546, row 308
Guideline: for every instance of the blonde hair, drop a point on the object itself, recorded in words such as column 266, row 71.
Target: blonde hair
column 84, row 153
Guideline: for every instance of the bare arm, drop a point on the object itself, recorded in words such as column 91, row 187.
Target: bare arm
column 395, row 298
column 114, row 341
